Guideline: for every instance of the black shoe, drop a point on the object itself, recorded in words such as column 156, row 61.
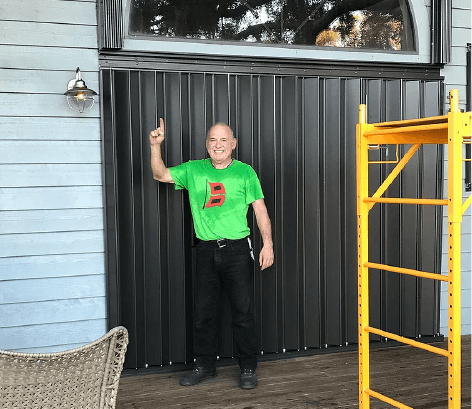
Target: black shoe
column 198, row 374
column 248, row 379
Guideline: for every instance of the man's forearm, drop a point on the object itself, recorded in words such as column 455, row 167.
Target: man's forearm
column 263, row 221
column 159, row 170
column 266, row 257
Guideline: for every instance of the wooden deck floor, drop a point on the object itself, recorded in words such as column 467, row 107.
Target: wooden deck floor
column 411, row 376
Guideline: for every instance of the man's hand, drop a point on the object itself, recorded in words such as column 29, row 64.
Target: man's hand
column 159, row 170
column 157, row 136
column 266, row 258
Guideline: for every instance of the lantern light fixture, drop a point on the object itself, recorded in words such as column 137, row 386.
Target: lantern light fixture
column 79, row 97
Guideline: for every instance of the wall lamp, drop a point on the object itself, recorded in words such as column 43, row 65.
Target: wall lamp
column 79, row 97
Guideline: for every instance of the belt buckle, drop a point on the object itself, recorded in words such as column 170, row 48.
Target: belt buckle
column 221, row 243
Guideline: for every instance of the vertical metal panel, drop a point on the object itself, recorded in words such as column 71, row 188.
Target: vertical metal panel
column 289, row 219
column 391, row 250
column 299, row 135
column 351, row 100
column 110, row 19
column 269, row 323
column 409, row 217
column 312, row 214
column 331, row 218
column 151, row 253
column 375, row 103
column 432, row 165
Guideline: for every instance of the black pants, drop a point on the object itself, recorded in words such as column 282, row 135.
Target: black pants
column 229, row 268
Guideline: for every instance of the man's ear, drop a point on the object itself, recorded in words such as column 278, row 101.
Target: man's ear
column 233, row 143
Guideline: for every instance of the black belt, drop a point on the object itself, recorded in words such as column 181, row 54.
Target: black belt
column 222, row 242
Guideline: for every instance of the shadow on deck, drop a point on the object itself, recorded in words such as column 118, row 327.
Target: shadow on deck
column 414, row 377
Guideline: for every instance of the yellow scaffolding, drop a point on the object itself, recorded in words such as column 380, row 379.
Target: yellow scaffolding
column 452, row 129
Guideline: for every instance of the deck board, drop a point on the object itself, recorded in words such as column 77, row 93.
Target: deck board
column 414, row 377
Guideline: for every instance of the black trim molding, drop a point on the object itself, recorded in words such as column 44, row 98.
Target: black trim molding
column 441, row 31
column 110, row 24
column 121, row 59
column 468, row 155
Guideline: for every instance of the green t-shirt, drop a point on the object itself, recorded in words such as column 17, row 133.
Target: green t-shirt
column 219, row 198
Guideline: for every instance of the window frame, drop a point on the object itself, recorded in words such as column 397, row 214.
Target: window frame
column 430, row 48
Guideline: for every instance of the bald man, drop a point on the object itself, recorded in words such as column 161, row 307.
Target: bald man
column 220, row 190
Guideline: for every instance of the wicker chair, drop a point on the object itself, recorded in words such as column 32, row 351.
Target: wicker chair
column 85, row 377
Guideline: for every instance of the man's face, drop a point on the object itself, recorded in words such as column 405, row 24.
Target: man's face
column 220, row 144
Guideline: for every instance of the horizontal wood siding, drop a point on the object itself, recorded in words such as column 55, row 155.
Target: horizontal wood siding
column 52, row 281
column 455, row 78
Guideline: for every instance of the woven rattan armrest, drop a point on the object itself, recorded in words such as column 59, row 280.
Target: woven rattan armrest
column 85, row 377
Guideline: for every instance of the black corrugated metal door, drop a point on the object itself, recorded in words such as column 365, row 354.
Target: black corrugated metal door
column 299, row 135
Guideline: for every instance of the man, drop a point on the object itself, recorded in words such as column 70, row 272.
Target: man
column 220, row 191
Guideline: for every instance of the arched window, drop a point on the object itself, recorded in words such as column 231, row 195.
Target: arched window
column 362, row 24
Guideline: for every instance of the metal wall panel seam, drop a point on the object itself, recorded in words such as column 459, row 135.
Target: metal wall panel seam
column 320, row 220
column 274, row 233
column 322, row 257
column 297, row 230
column 383, row 210
column 168, row 227
column 344, row 210
column 143, row 221
column 259, row 166
column 303, row 201
column 340, row 207
column 115, row 189
column 281, row 194
column 419, row 217
column 400, row 225
column 159, row 255
column 182, row 201
column 133, row 211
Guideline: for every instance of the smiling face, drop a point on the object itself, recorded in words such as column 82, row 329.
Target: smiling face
column 220, row 144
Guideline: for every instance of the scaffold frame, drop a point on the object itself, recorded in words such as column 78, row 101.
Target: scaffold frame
column 453, row 130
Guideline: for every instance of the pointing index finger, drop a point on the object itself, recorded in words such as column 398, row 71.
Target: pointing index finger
column 161, row 124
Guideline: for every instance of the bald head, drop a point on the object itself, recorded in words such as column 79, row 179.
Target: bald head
column 220, row 127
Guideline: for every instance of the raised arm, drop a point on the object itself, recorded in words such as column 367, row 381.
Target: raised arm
column 159, row 170
column 266, row 257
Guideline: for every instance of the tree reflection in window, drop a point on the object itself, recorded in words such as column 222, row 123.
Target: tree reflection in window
column 372, row 24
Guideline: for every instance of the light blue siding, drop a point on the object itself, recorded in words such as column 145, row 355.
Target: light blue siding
column 40, row 313
column 36, row 244
column 27, row 198
column 50, row 337
column 461, row 19
column 41, row 105
column 50, row 289
column 52, row 275
column 461, row 4
column 56, row 265
column 50, row 175
column 47, row 221
column 41, row 82
column 52, row 11
column 47, row 34
column 66, row 152
column 43, row 128
column 49, row 58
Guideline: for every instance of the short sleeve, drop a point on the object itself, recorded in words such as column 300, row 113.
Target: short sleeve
column 179, row 175
column 253, row 187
